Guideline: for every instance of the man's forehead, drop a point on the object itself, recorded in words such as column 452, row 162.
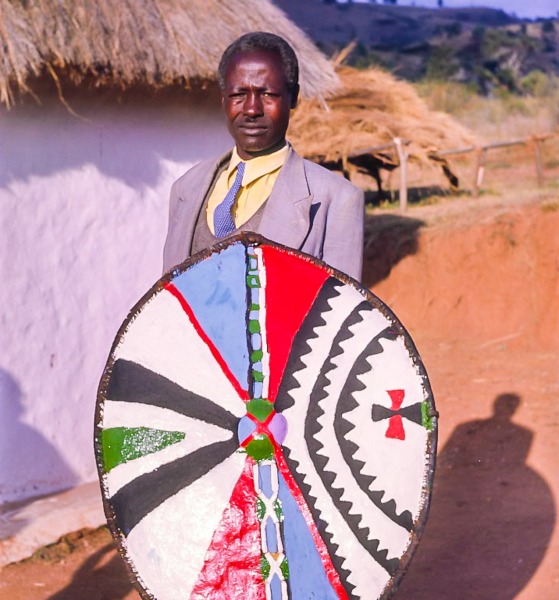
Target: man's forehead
column 253, row 55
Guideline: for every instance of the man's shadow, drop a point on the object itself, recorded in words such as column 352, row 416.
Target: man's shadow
column 107, row 581
column 26, row 457
column 491, row 516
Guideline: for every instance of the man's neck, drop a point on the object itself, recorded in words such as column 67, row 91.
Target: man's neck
column 250, row 155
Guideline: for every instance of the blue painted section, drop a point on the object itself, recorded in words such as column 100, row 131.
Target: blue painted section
column 215, row 289
column 257, row 389
column 307, row 578
column 271, row 538
column 245, row 428
column 252, row 261
column 275, row 588
column 265, row 480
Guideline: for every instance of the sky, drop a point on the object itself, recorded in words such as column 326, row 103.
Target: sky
column 522, row 8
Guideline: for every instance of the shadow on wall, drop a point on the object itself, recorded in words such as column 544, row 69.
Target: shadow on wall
column 491, row 517
column 124, row 135
column 24, row 450
column 388, row 239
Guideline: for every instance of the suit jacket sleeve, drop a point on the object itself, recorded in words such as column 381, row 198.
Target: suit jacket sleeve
column 337, row 219
column 343, row 239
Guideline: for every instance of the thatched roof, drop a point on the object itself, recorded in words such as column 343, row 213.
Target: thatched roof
column 371, row 108
column 153, row 42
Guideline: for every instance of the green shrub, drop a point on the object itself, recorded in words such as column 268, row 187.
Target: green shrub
column 441, row 64
column 539, row 84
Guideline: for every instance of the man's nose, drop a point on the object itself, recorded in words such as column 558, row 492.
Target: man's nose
column 253, row 105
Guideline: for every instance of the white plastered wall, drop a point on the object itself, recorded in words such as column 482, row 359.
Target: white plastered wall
column 83, row 217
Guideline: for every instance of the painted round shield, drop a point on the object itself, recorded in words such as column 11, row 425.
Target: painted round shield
column 265, row 430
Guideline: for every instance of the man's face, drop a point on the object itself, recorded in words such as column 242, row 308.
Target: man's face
column 257, row 102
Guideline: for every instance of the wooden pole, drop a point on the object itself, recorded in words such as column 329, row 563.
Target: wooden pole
column 402, row 160
column 479, row 170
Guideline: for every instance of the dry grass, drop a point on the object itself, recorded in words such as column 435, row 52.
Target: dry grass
column 372, row 108
column 502, row 117
column 153, row 42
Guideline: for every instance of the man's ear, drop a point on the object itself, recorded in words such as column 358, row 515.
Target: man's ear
column 294, row 96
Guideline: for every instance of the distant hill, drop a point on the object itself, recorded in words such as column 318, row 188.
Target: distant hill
column 482, row 45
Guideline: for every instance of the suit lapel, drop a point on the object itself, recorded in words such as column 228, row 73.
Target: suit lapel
column 286, row 217
column 197, row 200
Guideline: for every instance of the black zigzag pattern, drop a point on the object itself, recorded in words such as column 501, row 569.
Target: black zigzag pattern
column 342, row 427
column 300, row 346
column 284, row 401
column 336, row 558
column 313, row 427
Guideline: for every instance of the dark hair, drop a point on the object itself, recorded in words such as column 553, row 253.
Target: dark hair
column 261, row 40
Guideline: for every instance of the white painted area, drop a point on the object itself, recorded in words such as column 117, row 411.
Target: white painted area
column 404, row 480
column 393, row 537
column 399, row 467
column 168, row 547
column 341, row 306
column 83, row 217
column 163, row 339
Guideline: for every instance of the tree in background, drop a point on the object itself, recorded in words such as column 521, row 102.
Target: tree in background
column 442, row 64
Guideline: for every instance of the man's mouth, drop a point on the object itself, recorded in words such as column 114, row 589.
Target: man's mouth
column 252, row 129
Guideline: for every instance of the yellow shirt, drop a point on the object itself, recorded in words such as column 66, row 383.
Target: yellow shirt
column 259, row 178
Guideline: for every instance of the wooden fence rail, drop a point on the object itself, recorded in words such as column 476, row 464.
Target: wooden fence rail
column 398, row 146
column 534, row 141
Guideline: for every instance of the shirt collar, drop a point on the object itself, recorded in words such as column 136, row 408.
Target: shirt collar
column 258, row 166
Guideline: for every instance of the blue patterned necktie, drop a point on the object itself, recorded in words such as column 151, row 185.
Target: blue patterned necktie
column 223, row 221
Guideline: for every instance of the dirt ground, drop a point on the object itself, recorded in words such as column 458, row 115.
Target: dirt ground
column 476, row 282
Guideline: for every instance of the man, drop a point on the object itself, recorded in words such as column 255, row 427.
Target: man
column 263, row 185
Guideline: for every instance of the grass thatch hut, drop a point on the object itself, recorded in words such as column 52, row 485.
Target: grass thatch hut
column 83, row 196
column 158, row 43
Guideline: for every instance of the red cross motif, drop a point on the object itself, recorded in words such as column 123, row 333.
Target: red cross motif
column 395, row 426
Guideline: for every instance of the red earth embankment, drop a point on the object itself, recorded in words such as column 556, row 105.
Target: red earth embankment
column 477, row 287
column 490, row 275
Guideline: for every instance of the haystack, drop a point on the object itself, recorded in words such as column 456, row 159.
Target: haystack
column 154, row 42
column 371, row 108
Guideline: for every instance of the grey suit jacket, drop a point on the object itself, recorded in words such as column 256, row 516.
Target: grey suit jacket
column 310, row 209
